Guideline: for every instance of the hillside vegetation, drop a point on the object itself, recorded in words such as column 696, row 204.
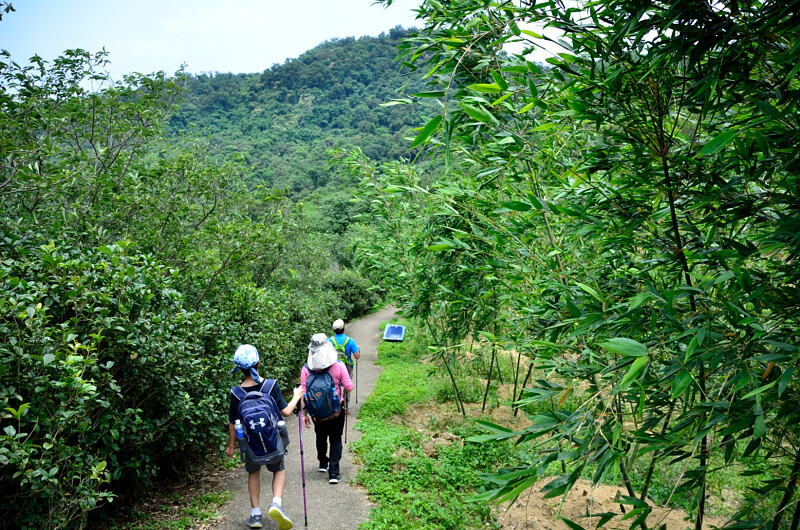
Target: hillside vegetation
column 283, row 121
column 132, row 264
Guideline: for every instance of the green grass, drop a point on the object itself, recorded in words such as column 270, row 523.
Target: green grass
column 415, row 483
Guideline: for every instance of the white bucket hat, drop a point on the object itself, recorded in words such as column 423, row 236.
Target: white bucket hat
column 321, row 353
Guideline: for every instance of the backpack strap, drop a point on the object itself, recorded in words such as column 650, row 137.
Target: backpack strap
column 343, row 347
column 268, row 392
column 335, row 343
column 238, row 392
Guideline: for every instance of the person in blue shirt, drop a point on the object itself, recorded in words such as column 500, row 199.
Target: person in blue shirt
column 346, row 347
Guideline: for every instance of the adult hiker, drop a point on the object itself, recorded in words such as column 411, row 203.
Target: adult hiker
column 346, row 347
column 346, row 350
column 257, row 406
column 324, row 380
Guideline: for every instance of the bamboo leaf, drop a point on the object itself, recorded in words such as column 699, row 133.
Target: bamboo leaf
column 759, row 426
column 431, row 94
column 718, row 143
column 517, row 206
column 501, row 98
column 784, row 380
column 639, row 299
column 633, row 372
column 500, row 80
column 758, row 390
column 477, row 112
column 532, row 34
column 427, row 131
column 544, row 126
column 493, row 427
column 441, row 246
column 573, row 525
column 486, row 88
column 404, row 101
column 589, row 290
column 768, row 109
column 624, row 347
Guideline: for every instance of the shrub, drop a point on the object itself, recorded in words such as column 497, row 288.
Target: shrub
column 352, row 293
column 98, row 364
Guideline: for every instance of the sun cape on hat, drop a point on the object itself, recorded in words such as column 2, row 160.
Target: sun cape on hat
column 246, row 358
column 321, row 353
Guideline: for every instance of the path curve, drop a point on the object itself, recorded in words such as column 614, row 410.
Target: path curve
column 329, row 506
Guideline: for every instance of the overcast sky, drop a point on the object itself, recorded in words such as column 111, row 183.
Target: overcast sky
column 239, row 36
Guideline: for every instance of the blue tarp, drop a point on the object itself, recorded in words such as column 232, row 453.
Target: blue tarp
column 394, row 333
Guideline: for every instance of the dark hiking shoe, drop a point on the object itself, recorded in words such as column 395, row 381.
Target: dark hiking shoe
column 334, row 479
column 277, row 514
column 254, row 521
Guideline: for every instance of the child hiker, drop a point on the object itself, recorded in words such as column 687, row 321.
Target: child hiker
column 257, row 404
column 324, row 381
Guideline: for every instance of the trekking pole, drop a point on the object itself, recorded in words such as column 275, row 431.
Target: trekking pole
column 356, row 380
column 302, row 464
column 346, row 414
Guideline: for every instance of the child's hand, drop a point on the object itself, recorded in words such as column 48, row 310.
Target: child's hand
column 298, row 391
column 229, row 450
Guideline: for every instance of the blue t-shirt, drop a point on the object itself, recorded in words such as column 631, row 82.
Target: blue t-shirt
column 350, row 348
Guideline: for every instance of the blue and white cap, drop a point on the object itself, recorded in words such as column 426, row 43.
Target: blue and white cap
column 246, row 358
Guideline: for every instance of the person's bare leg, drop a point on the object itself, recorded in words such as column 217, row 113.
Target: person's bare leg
column 278, row 482
column 254, row 487
column 276, row 512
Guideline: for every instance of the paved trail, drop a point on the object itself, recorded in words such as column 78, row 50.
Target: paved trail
column 329, row 505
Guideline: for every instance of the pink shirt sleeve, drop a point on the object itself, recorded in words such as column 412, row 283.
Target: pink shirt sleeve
column 303, row 378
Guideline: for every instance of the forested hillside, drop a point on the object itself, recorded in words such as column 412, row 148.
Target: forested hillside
column 283, row 120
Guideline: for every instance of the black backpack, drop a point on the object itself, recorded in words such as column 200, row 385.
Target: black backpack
column 322, row 400
column 260, row 416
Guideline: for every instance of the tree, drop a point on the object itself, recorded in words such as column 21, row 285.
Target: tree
column 650, row 254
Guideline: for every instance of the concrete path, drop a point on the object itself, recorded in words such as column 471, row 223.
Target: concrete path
column 329, row 505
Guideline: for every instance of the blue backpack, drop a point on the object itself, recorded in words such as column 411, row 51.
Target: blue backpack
column 322, row 400
column 260, row 415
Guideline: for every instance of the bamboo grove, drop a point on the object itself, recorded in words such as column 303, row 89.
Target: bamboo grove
column 627, row 218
